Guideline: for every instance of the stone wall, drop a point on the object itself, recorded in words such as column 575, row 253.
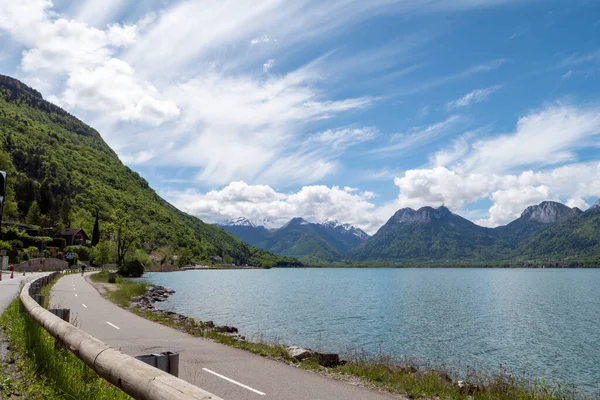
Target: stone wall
column 42, row 264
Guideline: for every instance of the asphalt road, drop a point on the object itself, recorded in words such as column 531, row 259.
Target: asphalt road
column 9, row 288
column 229, row 373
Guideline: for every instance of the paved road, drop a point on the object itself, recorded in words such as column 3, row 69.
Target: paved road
column 9, row 288
column 229, row 373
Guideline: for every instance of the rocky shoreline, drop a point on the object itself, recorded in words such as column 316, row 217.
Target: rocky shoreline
column 145, row 303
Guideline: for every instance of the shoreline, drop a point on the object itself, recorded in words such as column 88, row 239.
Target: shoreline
column 375, row 372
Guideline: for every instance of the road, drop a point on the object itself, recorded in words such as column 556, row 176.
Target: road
column 229, row 373
column 9, row 288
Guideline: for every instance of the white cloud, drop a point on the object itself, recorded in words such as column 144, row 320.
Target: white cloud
column 471, row 170
column 476, row 96
column 261, row 39
column 460, row 147
column 439, row 185
column 345, row 137
column 314, row 203
column 61, row 49
column 546, row 137
column 510, row 203
column 418, row 137
column 268, row 65
column 112, row 88
column 567, row 74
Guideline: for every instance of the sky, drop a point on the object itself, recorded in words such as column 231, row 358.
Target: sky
column 345, row 110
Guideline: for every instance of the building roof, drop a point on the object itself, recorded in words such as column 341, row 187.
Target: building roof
column 70, row 232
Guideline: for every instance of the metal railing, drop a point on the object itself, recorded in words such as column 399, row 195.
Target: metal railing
column 134, row 377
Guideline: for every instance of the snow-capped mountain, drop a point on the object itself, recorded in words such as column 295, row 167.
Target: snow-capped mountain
column 327, row 241
column 335, row 224
column 240, row 221
column 243, row 221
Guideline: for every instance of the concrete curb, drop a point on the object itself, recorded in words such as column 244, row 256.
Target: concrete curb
column 134, row 377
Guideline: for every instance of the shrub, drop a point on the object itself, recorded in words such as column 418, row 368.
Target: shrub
column 133, row 268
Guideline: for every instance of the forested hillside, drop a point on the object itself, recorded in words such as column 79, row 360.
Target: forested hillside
column 61, row 172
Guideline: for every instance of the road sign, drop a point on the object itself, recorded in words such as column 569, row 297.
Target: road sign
column 69, row 256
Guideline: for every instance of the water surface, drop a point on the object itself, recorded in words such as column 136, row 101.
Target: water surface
column 535, row 322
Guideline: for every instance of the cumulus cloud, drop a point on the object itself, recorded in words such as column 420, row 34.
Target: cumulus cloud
column 58, row 48
column 498, row 168
column 510, row 203
column 314, row 203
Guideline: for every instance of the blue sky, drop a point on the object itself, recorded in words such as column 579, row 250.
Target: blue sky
column 346, row 110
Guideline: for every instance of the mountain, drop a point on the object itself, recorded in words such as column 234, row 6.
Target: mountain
column 246, row 230
column 298, row 238
column 547, row 231
column 61, row 172
column 428, row 235
column 243, row 221
column 535, row 219
column 576, row 238
column 345, row 229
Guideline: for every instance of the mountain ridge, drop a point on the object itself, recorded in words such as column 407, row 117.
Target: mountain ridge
column 61, row 172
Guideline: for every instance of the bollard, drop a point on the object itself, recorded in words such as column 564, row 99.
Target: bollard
column 166, row 361
column 12, row 272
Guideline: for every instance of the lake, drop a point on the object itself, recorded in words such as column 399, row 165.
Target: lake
column 534, row 322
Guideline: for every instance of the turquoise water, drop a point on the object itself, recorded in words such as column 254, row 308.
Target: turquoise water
column 534, row 322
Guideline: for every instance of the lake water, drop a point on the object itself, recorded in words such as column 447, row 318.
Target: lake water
column 535, row 322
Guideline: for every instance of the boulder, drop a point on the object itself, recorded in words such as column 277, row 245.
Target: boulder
column 328, row 359
column 299, row 353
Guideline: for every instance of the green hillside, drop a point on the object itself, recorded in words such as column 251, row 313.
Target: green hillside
column 429, row 235
column 61, row 171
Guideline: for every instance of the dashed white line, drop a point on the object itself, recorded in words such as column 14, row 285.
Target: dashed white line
column 84, row 306
column 235, row 382
column 75, row 294
column 113, row 325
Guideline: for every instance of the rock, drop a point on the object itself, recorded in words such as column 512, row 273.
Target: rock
column 328, row 359
column 209, row 324
column 226, row 329
column 467, row 387
column 299, row 353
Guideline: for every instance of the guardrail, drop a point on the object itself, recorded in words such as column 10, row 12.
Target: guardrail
column 134, row 377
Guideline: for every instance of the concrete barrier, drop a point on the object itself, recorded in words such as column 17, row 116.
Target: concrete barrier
column 134, row 377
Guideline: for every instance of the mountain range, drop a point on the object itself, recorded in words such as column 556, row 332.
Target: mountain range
column 61, row 173
column 298, row 238
column 547, row 231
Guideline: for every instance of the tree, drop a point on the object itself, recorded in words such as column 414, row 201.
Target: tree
column 184, row 256
column 101, row 253
column 34, row 216
column 96, row 232
column 125, row 232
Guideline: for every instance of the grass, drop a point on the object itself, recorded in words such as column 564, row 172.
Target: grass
column 44, row 371
column 409, row 379
column 127, row 289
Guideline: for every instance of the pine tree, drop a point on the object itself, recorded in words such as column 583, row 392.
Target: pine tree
column 96, row 232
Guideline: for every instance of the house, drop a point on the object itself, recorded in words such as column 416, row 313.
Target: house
column 216, row 259
column 73, row 236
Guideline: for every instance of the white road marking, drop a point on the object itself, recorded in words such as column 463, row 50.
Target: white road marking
column 84, row 306
column 75, row 294
column 113, row 325
column 232, row 381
